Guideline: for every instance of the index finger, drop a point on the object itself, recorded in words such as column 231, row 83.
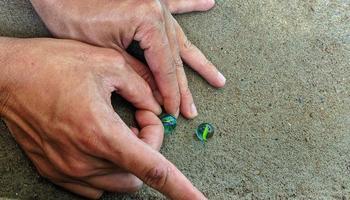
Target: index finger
column 132, row 154
column 197, row 60
column 154, row 41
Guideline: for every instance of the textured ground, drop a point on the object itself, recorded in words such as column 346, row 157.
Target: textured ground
column 283, row 121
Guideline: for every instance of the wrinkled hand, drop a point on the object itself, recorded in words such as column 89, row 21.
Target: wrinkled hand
column 55, row 99
column 115, row 24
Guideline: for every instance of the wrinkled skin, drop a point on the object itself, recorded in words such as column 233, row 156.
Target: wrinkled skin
column 55, row 99
column 116, row 23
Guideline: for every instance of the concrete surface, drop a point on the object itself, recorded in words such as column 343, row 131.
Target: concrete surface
column 283, row 121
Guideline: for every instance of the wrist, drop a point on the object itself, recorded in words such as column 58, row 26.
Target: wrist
column 57, row 15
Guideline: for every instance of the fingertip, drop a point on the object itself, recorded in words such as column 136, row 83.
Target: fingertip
column 145, row 118
column 221, row 80
column 177, row 113
column 134, row 130
column 188, row 107
column 152, row 130
column 155, row 108
column 214, row 77
column 194, row 112
column 137, row 91
column 158, row 110
column 184, row 6
column 207, row 5
column 189, row 111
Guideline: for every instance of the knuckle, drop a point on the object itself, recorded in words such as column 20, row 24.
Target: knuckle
column 186, row 92
column 153, row 31
column 158, row 16
column 76, row 169
column 111, row 59
column 171, row 71
column 152, row 11
column 47, row 173
column 157, row 176
column 44, row 169
column 145, row 74
column 156, row 9
column 168, row 72
column 208, row 4
column 178, row 62
column 111, row 55
column 118, row 61
column 187, row 45
column 92, row 137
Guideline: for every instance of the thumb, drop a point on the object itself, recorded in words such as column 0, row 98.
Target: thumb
column 132, row 154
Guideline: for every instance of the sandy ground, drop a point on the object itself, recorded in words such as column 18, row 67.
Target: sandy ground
column 283, row 124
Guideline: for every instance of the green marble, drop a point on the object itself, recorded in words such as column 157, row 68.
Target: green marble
column 169, row 123
column 205, row 131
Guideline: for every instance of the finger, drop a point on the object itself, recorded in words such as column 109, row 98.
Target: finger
column 152, row 131
column 133, row 155
column 135, row 130
column 173, row 44
column 187, row 106
column 112, row 179
column 47, row 170
column 154, row 41
column 145, row 73
column 135, row 90
column 197, row 61
column 116, row 182
column 184, row 6
column 83, row 190
column 158, row 96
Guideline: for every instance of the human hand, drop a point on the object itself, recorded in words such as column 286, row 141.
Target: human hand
column 55, row 99
column 115, row 24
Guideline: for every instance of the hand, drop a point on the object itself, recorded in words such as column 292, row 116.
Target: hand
column 55, row 99
column 115, row 24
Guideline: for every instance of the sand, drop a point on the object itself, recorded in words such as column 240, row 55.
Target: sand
column 283, row 124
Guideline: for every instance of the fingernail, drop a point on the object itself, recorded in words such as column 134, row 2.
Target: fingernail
column 221, row 77
column 194, row 111
column 177, row 113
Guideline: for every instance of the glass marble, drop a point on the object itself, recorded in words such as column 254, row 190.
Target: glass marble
column 169, row 123
column 205, row 131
